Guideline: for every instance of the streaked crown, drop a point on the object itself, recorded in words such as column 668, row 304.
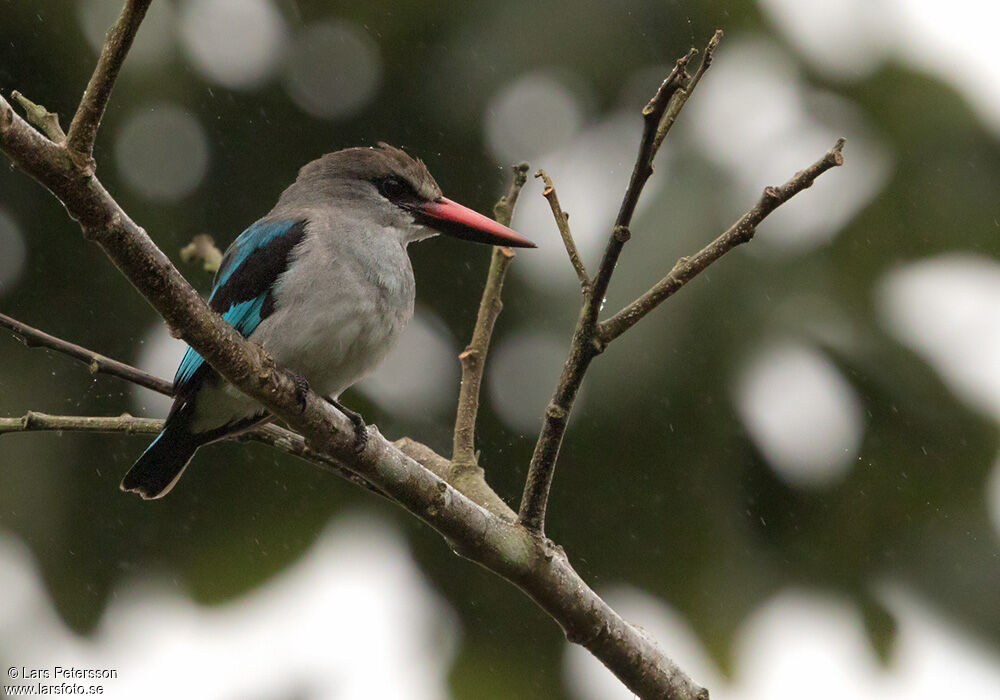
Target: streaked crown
column 389, row 168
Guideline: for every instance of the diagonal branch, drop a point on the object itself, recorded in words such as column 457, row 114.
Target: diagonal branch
column 272, row 435
column 97, row 363
column 634, row 651
column 473, row 358
column 740, row 232
column 86, row 121
column 562, row 222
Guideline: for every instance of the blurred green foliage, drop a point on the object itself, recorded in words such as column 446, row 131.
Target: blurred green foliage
column 659, row 488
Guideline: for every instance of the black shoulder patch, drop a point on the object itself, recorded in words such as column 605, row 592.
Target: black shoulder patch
column 258, row 272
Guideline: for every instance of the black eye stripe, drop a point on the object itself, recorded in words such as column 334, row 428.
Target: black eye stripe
column 392, row 187
column 397, row 190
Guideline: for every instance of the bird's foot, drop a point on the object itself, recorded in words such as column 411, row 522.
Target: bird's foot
column 301, row 389
column 360, row 429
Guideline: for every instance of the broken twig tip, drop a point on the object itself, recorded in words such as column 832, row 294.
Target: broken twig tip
column 202, row 247
column 45, row 121
column 837, row 152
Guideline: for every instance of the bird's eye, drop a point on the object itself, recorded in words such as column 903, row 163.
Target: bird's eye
column 392, row 187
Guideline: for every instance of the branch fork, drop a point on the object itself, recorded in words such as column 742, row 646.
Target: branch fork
column 592, row 336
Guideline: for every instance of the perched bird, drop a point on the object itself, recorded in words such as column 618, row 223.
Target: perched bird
column 323, row 282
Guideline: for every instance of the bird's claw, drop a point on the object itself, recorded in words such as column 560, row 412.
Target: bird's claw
column 301, row 390
column 360, row 429
column 360, row 439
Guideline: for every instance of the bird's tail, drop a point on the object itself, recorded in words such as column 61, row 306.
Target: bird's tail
column 161, row 465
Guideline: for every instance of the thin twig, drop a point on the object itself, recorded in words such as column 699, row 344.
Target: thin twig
column 46, row 121
column 83, row 128
column 503, row 210
column 271, row 435
column 652, row 115
column 740, row 232
column 562, row 222
column 97, row 363
column 473, row 358
column 34, row 421
column 681, row 96
column 586, row 342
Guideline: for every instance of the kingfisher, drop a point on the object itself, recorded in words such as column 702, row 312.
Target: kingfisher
column 324, row 283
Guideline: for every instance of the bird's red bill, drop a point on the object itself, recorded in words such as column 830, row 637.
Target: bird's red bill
column 452, row 219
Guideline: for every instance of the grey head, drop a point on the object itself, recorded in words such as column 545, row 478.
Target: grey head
column 385, row 188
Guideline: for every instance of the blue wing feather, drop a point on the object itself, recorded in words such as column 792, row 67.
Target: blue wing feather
column 189, row 365
column 241, row 291
column 258, row 235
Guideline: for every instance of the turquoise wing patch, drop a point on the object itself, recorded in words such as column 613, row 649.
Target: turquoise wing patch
column 242, row 288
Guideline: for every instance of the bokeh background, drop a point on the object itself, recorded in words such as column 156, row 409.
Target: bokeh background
column 788, row 474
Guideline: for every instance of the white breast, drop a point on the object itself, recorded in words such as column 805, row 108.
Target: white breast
column 339, row 309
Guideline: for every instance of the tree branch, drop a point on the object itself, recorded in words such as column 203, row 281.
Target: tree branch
column 586, row 343
column 97, row 363
column 740, row 232
column 83, row 128
column 562, row 222
column 473, row 358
